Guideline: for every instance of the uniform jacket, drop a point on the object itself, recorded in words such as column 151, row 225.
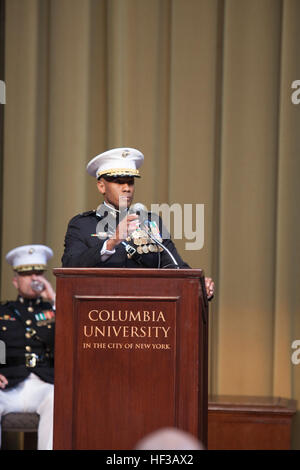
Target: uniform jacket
column 27, row 329
column 83, row 250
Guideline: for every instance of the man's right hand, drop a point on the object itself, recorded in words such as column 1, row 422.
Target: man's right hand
column 3, row 381
column 128, row 225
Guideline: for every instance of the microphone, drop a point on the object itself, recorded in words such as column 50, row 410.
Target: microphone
column 139, row 209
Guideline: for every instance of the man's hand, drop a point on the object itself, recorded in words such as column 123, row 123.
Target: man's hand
column 3, row 381
column 48, row 294
column 128, row 225
column 210, row 287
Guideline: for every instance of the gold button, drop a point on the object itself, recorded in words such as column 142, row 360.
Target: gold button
column 28, row 348
column 4, row 328
column 28, row 335
column 49, row 326
column 28, row 322
column 30, row 309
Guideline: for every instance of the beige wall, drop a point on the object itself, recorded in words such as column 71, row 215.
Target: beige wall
column 203, row 88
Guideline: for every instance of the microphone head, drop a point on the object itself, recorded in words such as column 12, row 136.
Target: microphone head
column 139, row 209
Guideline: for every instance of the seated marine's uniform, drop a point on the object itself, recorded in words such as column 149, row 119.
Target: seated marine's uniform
column 27, row 333
column 27, row 329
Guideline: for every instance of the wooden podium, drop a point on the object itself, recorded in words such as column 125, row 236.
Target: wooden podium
column 130, row 355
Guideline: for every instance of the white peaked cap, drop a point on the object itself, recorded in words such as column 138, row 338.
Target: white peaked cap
column 29, row 257
column 122, row 161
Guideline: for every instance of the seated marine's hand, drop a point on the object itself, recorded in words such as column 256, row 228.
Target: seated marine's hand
column 3, row 381
column 48, row 294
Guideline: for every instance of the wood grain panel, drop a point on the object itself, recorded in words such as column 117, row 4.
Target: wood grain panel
column 131, row 356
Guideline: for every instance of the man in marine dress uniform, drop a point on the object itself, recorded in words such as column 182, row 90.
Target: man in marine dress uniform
column 112, row 236
column 27, row 330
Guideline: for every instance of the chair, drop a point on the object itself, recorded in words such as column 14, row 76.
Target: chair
column 24, row 423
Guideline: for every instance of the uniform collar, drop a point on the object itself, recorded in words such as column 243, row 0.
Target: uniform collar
column 111, row 207
column 105, row 207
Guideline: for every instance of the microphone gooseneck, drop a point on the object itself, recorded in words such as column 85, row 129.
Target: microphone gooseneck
column 152, row 236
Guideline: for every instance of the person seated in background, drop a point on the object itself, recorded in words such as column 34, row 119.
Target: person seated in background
column 114, row 236
column 27, row 330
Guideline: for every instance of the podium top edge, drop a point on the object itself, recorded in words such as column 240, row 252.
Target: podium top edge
column 129, row 272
